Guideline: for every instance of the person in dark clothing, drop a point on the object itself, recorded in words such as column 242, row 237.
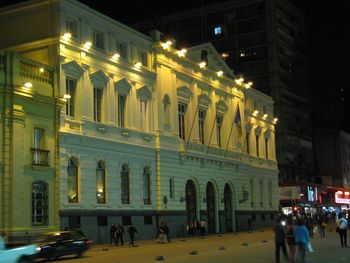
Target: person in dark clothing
column 131, row 230
column 119, row 234
column 166, row 231
column 112, row 232
column 291, row 242
column 250, row 224
column 280, row 240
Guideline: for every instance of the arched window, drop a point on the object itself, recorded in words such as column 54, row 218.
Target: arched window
column 100, row 183
column 72, row 182
column 146, row 186
column 125, row 193
column 40, row 202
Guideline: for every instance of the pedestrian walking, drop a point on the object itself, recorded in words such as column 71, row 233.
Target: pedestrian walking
column 131, row 231
column 112, row 231
column 203, row 227
column 301, row 235
column 343, row 228
column 291, row 242
column 161, row 233
column 322, row 226
column 119, row 235
column 280, row 240
column 167, row 231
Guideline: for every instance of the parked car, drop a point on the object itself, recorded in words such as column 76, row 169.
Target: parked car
column 57, row 244
column 17, row 253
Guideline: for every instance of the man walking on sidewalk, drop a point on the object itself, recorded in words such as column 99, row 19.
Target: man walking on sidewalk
column 280, row 240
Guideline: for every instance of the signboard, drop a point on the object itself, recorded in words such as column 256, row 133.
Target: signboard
column 289, row 193
column 342, row 197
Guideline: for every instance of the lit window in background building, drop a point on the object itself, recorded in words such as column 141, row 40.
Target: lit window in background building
column 217, row 30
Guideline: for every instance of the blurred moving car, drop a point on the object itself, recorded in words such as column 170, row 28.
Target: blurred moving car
column 57, row 244
column 17, row 254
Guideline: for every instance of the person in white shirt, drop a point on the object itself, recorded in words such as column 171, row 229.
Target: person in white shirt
column 343, row 228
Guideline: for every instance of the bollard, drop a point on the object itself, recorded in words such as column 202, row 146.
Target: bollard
column 264, row 241
column 194, row 252
column 160, row 258
column 245, row 244
column 105, row 249
column 222, row 248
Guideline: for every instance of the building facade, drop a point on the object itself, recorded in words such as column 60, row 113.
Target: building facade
column 29, row 153
column 264, row 40
column 148, row 133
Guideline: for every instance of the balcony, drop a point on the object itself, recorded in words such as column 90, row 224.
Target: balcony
column 40, row 157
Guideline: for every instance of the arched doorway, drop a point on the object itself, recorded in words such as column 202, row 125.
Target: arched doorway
column 210, row 198
column 191, row 201
column 228, row 207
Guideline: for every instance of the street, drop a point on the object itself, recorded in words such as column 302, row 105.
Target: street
column 255, row 247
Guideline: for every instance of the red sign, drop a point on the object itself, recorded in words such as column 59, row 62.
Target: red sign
column 342, row 197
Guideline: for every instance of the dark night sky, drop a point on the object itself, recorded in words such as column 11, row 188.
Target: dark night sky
column 328, row 35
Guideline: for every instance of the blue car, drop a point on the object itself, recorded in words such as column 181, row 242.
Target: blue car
column 57, row 244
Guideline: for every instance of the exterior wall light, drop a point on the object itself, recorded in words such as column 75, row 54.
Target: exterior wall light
column 28, row 85
column 265, row 116
column 239, row 81
column 87, row 44
column 182, row 52
column 116, row 56
column 275, row 120
column 202, row 64
column 255, row 113
column 67, row 36
column 66, row 96
column 220, row 73
column 138, row 64
column 41, row 70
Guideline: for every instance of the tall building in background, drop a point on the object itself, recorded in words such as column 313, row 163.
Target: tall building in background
column 148, row 132
column 264, row 41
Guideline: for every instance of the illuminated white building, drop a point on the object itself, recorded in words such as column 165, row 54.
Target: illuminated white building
column 148, row 133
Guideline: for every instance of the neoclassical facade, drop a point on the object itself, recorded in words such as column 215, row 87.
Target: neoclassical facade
column 148, row 132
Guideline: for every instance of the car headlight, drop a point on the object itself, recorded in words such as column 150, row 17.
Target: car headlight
column 38, row 249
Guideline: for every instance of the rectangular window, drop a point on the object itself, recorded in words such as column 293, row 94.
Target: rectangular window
column 171, row 188
column 39, row 203
column 201, row 119
column 121, row 49
column 100, row 185
column 71, row 27
column 217, row 30
column 182, row 110
column 70, row 90
column 121, row 110
column 143, row 119
column 125, row 187
column 147, row 220
column 126, row 220
column 146, row 188
column 97, row 104
column 38, row 138
column 143, row 58
column 218, row 129
column 102, row 221
column 98, row 39
column 72, row 181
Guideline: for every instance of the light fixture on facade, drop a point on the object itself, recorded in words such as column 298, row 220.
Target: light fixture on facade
column 225, row 55
column 265, row 116
column 248, row 85
column 116, row 56
column 239, row 81
column 182, row 52
column 255, row 113
column 138, row 64
column 67, row 36
column 41, row 70
column 275, row 120
column 28, row 85
column 66, row 96
column 87, row 44
column 166, row 45
column 202, row 64
column 220, row 73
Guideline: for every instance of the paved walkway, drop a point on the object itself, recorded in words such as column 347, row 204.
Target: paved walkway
column 256, row 247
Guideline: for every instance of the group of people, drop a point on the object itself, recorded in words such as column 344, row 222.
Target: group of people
column 296, row 234
column 196, row 228
column 117, row 234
